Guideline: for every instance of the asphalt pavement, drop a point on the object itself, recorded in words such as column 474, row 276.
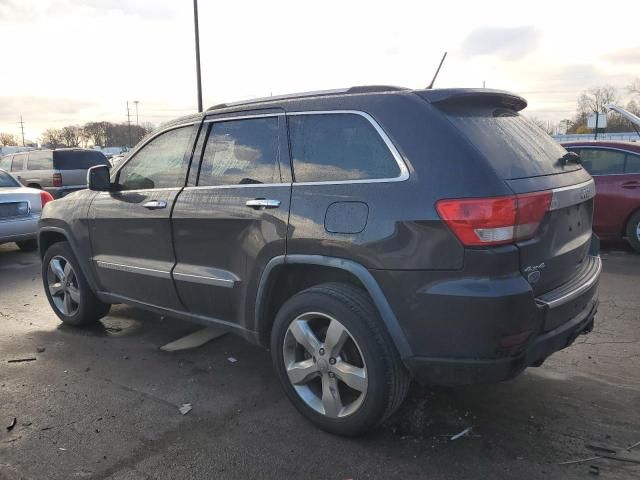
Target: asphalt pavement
column 103, row 403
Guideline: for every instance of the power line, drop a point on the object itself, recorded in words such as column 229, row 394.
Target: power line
column 22, row 128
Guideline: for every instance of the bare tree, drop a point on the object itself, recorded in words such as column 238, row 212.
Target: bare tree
column 597, row 99
column 148, row 127
column 8, row 139
column 71, row 135
column 634, row 88
column 95, row 132
column 52, row 138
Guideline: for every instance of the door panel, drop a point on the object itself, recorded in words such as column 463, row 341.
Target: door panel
column 130, row 227
column 221, row 243
column 132, row 245
column 607, row 168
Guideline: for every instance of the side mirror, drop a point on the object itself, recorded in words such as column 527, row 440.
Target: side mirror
column 98, row 178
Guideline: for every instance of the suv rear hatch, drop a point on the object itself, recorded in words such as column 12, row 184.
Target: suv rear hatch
column 529, row 160
column 73, row 165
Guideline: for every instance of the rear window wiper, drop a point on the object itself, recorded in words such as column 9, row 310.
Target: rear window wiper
column 570, row 157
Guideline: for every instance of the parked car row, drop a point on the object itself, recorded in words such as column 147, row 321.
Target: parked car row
column 58, row 172
column 20, row 209
column 615, row 167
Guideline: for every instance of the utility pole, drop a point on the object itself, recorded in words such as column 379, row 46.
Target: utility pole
column 136, row 102
column 129, row 123
column 597, row 117
column 197, row 32
column 22, row 128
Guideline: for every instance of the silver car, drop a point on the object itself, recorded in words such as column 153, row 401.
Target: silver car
column 20, row 209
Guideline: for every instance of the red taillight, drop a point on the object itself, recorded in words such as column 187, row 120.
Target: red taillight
column 45, row 197
column 57, row 179
column 497, row 220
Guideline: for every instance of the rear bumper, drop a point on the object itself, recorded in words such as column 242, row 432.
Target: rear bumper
column 442, row 371
column 464, row 329
column 17, row 230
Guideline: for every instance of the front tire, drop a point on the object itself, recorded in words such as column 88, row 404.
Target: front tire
column 335, row 360
column 67, row 290
column 633, row 231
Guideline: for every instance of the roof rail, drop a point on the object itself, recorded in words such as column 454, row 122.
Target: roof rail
column 317, row 93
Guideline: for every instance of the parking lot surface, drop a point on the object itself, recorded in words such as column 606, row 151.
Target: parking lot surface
column 103, row 403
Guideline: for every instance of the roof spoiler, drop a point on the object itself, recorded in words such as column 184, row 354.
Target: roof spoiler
column 634, row 119
column 474, row 96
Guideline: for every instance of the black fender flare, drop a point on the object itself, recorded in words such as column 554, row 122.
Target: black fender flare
column 356, row 269
column 86, row 270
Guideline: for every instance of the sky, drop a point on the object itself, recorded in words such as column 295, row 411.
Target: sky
column 72, row 61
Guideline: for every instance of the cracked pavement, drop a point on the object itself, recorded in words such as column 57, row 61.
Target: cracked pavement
column 103, row 403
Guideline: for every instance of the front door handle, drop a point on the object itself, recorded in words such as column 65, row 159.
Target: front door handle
column 155, row 204
column 262, row 203
column 631, row 184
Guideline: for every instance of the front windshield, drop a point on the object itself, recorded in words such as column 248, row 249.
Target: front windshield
column 6, row 180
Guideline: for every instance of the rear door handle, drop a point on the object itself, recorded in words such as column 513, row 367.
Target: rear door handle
column 262, row 203
column 631, row 184
column 155, row 204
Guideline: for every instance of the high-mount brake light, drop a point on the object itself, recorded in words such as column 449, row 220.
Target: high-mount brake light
column 495, row 220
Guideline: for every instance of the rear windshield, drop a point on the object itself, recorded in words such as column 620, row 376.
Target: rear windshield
column 513, row 144
column 78, row 159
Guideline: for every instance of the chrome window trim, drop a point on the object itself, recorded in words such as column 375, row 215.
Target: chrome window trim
column 137, row 190
column 131, row 269
column 404, row 171
column 244, row 185
column 226, row 118
column 573, row 194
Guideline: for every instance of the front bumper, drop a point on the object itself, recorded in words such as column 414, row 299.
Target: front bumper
column 18, row 229
column 443, row 371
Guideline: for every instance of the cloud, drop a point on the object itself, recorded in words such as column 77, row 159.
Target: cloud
column 41, row 109
column 624, row 55
column 508, row 43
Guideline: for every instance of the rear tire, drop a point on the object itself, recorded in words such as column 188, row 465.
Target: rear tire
column 28, row 245
column 67, row 290
column 347, row 381
column 633, row 231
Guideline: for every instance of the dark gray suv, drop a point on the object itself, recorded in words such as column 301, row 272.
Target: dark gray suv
column 367, row 236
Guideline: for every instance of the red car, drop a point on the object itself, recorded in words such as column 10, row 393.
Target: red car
column 615, row 167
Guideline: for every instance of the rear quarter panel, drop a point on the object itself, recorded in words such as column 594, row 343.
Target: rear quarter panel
column 403, row 230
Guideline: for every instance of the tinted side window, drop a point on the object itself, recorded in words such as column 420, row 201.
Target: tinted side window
column 599, row 161
column 336, row 147
column 161, row 163
column 40, row 161
column 633, row 163
column 5, row 162
column 78, row 159
column 18, row 162
column 241, row 152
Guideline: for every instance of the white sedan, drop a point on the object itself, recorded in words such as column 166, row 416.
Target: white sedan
column 20, row 209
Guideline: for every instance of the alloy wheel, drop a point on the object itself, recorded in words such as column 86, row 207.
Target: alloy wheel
column 63, row 286
column 325, row 365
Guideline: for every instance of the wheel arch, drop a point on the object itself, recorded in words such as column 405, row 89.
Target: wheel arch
column 320, row 269
column 625, row 225
column 50, row 235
